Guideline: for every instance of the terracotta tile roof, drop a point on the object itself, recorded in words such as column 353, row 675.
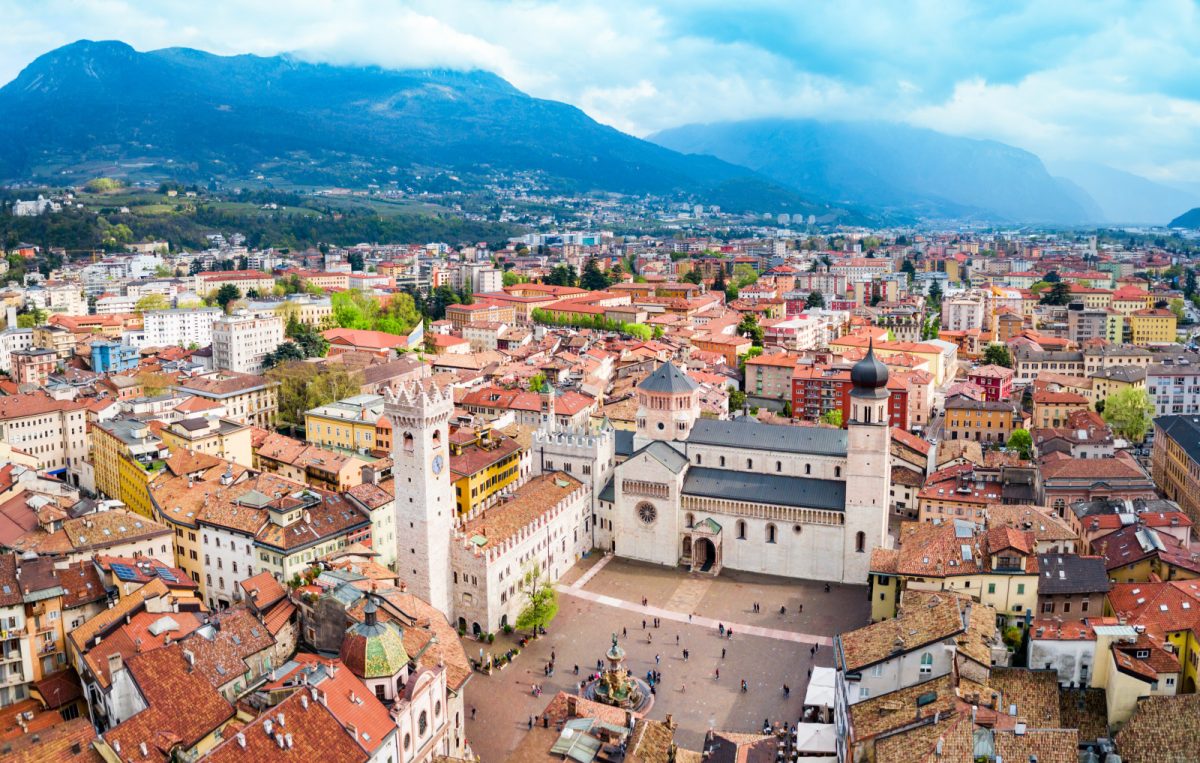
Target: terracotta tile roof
column 128, row 604
column 1085, row 710
column 922, row 620
column 1034, row 692
column 442, row 645
column 135, row 637
column 34, row 404
column 918, row 444
column 366, row 715
column 1003, row 538
column 1121, row 466
column 927, row 550
column 263, row 590
column 1161, row 728
column 1045, row 745
column 278, row 616
column 375, row 340
column 182, row 707
column 1039, row 520
column 531, row 500
column 1133, row 543
column 371, row 496
column 63, row 742
column 222, row 647
column 1162, row 607
column 954, row 732
column 887, row 712
column 224, row 383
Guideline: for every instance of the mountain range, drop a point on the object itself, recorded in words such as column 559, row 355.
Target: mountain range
column 895, row 167
column 102, row 108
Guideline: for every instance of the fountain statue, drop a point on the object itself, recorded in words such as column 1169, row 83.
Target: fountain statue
column 615, row 686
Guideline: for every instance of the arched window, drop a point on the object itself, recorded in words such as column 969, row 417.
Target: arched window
column 422, row 723
column 691, row 519
column 770, row 533
column 437, row 437
column 926, row 664
column 837, row 471
column 749, row 463
column 860, row 541
column 409, row 443
column 778, row 466
column 722, row 460
column 867, row 414
column 808, row 468
column 741, row 529
column 697, row 459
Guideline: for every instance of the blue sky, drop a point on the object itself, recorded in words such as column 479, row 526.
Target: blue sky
column 1104, row 81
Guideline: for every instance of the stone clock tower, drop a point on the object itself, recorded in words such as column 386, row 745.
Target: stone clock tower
column 425, row 512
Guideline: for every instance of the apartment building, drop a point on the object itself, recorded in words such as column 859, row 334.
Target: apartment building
column 13, row 339
column 770, row 376
column 981, row 420
column 241, row 342
column 1175, row 461
column 182, row 328
column 1174, row 387
column 247, row 399
column 54, row 432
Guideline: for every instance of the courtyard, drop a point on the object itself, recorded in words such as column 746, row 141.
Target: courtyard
column 603, row 595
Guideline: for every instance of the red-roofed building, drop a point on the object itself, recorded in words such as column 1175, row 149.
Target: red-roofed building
column 996, row 381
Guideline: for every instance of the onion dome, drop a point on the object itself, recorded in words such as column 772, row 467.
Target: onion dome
column 869, row 373
column 372, row 649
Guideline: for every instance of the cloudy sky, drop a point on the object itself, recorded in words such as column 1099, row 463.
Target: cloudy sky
column 1096, row 80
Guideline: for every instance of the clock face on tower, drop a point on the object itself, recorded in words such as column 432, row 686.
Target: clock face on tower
column 437, row 464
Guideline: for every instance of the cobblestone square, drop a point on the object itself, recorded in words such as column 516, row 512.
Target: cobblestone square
column 767, row 650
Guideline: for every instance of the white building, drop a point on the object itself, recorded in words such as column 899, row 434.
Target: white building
column 13, row 339
column 795, row 501
column 115, row 303
column 241, row 342
column 962, row 313
column 183, row 328
column 1174, row 387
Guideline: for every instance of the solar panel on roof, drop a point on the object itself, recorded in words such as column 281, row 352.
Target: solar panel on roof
column 167, row 575
column 124, row 572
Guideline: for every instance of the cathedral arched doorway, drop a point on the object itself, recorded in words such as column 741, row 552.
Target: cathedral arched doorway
column 704, row 555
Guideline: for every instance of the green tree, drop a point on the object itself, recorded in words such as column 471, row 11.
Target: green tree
column 909, row 269
column 749, row 327
column 1052, row 277
column 355, row 258
column 744, row 275
column 151, row 302
column 786, row 411
column 997, row 355
column 1129, row 413
column 1059, row 293
column 592, row 278
column 35, row 317
column 541, row 601
column 832, row 417
column 303, row 386
column 692, row 276
column 935, row 293
column 718, row 283
column 227, row 295
column 283, row 353
column 737, row 400
column 1021, row 441
column 512, row 279
column 562, row 275
column 537, row 381
column 815, row 299
column 1176, row 306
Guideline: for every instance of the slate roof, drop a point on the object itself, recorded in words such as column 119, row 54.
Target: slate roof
column 777, row 489
column 1184, row 430
column 745, row 432
column 1071, row 574
column 665, row 454
column 668, row 379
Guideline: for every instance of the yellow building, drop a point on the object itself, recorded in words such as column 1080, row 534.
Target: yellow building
column 350, row 424
column 997, row 568
column 1171, row 609
column 932, row 354
column 183, row 520
column 1113, row 379
column 126, row 455
column 223, row 438
column 1152, row 326
column 482, row 463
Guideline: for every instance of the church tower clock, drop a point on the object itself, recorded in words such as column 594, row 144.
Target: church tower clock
column 425, row 510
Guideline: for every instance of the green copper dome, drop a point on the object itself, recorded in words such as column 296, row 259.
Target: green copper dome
column 372, row 649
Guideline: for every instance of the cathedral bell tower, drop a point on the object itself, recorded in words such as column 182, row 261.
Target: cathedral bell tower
column 425, row 511
column 868, row 467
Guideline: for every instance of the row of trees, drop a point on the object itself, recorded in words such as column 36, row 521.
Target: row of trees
column 354, row 309
column 598, row 322
column 304, row 342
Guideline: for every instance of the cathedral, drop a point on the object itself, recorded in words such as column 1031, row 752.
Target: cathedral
column 703, row 494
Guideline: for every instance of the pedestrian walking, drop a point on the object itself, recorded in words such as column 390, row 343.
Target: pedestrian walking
column 722, row 653
column 689, row 617
column 743, row 686
column 717, row 674
column 816, row 648
column 657, row 660
column 782, row 611
column 787, row 691
column 721, row 628
column 729, row 634
column 826, row 588
column 810, row 672
column 649, row 637
column 531, row 722
column 643, row 625
column 624, row 633
column 576, row 670
column 683, row 688
column 676, row 639
column 801, row 609
column 552, row 656
column 472, row 712
column 685, row 655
